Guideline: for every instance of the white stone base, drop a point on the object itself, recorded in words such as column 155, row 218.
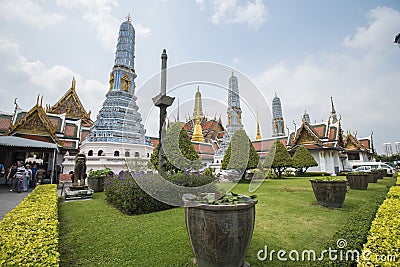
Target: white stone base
column 139, row 155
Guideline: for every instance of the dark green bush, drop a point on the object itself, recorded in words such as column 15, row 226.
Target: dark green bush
column 123, row 192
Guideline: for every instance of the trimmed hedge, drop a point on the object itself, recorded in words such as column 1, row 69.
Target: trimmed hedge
column 354, row 231
column 123, row 192
column 29, row 233
column 384, row 236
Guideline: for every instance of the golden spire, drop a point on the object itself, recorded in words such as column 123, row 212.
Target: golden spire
column 198, row 132
column 258, row 136
column 198, row 109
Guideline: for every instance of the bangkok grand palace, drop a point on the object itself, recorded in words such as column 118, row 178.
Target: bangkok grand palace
column 54, row 134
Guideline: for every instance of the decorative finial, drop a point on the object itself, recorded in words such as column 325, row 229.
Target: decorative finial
column 37, row 100
column 129, row 18
column 73, row 83
column 41, row 101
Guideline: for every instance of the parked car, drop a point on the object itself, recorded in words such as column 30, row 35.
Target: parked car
column 362, row 169
column 375, row 165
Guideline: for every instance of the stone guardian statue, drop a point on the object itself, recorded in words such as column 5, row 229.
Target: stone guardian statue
column 80, row 169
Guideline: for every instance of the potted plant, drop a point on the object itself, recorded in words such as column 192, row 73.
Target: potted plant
column 220, row 230
column 96, row 179
column 358, row 180
column 329, row 192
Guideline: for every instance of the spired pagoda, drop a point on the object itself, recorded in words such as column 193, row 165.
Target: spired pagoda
column 118, row 134
column 65, row 124
column 331, row 149
column 203, row 132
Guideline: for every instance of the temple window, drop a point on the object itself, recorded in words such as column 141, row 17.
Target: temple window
column 90, row 153
column 137, row 154
column 100, row 153
column 116, row 153
column 127, row 154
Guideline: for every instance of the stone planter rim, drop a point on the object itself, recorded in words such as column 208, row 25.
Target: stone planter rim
column 241, row 206
column 328, row 181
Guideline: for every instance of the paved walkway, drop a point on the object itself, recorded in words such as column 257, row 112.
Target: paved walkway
column 9, row 200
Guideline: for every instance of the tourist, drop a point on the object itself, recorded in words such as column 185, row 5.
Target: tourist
column 27, row 177
column 10, row 176
column 40, row 175
column 71, row 174
column 3, row 172
column 34, row 170
column 18, row 178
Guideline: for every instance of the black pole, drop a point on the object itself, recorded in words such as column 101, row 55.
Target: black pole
column 163, row 101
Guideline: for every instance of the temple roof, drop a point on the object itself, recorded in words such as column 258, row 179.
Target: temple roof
column 71, row 105
column 35, row 125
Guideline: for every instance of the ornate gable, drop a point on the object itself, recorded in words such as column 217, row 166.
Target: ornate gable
column 351, row 142
column 70, row 104
column 306, row 135
column 35, row 122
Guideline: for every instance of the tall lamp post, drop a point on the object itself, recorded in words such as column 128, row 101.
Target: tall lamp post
column 163, row 101
column 397, row 39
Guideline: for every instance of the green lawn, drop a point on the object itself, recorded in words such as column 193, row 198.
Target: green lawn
column 287, row 217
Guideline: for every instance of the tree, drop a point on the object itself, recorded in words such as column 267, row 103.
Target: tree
column 244, row 156
column 279, row 158
column 302, row 160
column 179, row 150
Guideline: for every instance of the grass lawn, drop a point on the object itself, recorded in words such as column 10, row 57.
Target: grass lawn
column 287, row 217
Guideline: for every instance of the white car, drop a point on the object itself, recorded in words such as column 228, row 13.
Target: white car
column 362, row 169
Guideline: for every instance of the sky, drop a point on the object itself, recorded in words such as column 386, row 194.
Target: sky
column 304, row 51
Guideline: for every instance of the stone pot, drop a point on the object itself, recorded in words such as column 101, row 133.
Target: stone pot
column 358, row 181
column 220, row 234
column 373, row 177
column 96, row 183
column 382, row 173
column 329, row 193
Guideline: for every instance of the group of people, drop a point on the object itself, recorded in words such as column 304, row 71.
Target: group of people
column 21, row 176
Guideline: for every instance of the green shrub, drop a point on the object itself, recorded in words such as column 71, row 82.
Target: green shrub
column 180, row 152
column 29, row 233
column 302, row 160
column 99, row 173
column 383, row 238
column 278, row 158
column 244, row 156
column 123, row 192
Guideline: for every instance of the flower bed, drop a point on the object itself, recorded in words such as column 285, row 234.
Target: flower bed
column 382, row 246
column 29, row 233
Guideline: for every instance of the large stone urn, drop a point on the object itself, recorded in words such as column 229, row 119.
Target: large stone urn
column 329, row 193
column 220, row 234
column 373, row 177
column 96, row 183
column 358, row 181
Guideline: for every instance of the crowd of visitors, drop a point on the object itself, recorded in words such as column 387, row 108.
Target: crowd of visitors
column 20, row 177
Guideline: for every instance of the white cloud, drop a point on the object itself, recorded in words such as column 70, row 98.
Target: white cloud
column 361, row 81
column 141, row 30
column 98, row 15
column 29, row 12
column 35, row 78
column 252, row 13
column 378, row 33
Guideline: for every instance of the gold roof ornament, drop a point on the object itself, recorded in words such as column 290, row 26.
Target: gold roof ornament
column 70, row 104
column 35, row 122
